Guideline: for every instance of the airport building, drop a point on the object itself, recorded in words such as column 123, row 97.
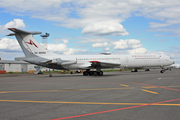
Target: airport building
column 18, row 65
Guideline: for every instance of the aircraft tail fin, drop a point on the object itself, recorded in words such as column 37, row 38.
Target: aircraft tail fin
column 29, row 45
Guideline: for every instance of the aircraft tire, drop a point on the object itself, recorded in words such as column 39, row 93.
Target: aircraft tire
column 162, row 71
column 50, row 75
column 100, row 73
column 90, row 73
column 95, row 73
column 85, row 73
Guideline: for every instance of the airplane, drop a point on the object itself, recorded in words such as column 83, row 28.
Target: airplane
column 35, row 53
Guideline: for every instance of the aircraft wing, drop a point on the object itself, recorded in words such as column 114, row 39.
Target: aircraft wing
column 100, row 64
column 85, row 66
column 103, row 64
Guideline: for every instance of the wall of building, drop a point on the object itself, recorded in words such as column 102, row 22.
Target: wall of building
column 1, row 66
column 18, row 66
column 12, row 67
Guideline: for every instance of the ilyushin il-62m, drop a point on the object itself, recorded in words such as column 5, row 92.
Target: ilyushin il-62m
column 35, row 53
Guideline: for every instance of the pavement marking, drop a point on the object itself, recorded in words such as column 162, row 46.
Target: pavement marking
column 88, row 103
column 95, row 113
column 3, row 92
column 64, row 90
column 157, row 86
column 161, row 86
column 149, row 87
column 124, row 85
column 149, row 91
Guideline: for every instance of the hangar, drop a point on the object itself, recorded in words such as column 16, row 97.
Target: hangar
column 17, row 65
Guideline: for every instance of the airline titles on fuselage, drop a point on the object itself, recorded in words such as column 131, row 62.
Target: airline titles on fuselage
column 143, row 55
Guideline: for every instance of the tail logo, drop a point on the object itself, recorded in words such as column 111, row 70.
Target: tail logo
column 32, row 43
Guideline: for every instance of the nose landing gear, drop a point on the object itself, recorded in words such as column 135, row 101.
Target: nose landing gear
column 164, row 69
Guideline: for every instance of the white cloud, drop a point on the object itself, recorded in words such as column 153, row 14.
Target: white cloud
column 166, row 24
column 57, row 47
column 7, row 44
column 85, row 14
column 16, row 23
column 63, row 49
column 74, row 51
column 105, row 28
column 5, row 55
column 106, row 49
column 174, row 54
column 137, row 51
column 92, row 39
column 130, row 46
column 12, row 45
column 174, row 30
column 95, row 45
column 127, row 44
column 9, row 49
column 65, row 41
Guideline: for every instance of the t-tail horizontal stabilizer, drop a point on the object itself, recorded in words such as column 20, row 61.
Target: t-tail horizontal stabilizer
column 18, row 31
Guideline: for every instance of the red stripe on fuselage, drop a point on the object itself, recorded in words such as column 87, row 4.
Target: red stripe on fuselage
column 95, row 61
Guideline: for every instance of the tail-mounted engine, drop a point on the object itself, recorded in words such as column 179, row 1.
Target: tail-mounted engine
column 63, row 61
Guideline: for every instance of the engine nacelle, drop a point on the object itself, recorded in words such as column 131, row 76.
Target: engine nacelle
column 63, row 61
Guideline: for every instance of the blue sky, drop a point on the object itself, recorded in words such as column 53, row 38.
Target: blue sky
column 93, row 27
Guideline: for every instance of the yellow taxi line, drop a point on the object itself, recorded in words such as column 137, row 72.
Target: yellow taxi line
column 149, row 91
column 65, row 90
column 94, row 103
column 124, row 85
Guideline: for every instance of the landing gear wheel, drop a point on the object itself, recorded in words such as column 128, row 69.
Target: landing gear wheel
column 50, row 75
column 135, row 70
column 100, row 73
column 90, row 73
column 95, row 73
column 85, row 73
column 162, row 71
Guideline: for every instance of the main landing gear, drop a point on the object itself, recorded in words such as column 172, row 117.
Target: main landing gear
column 92, row 73
column 162, row 71
column 134, row 70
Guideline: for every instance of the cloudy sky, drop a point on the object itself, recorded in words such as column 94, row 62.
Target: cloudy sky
column 94, row 26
